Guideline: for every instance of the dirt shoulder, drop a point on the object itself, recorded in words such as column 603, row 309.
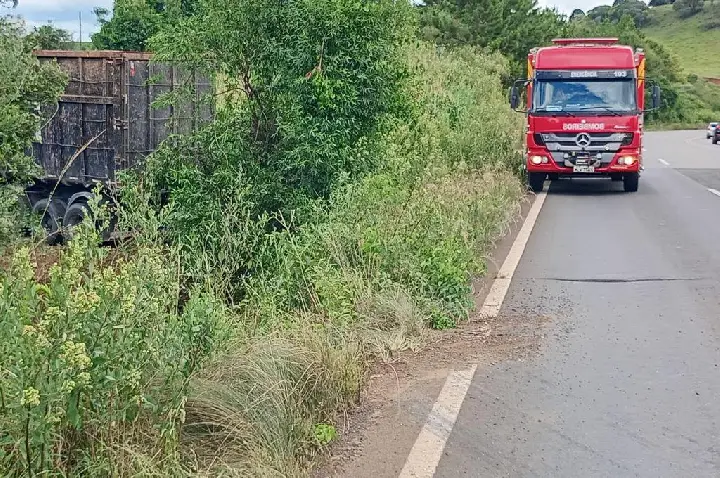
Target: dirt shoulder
column 376, row 438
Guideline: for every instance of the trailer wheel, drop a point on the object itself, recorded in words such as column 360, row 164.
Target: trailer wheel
column 74, row 215
column 630, row 182
column 49, row 220
column 536, row 181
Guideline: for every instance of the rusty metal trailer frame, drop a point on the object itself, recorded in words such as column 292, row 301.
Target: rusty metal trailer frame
column 107, row 103
column 104, row 123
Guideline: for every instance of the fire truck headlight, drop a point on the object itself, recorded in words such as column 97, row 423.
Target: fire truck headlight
column 538, row 159
column 627, row 160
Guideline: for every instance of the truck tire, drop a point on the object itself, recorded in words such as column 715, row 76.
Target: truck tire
column 49, row 220
column 630, row 182
column 536, row 181
column 74, row 215
column 714, row 139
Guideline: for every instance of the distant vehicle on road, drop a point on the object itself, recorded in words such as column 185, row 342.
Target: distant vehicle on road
column 586, row 105
column 711, row 130
column 716, row 135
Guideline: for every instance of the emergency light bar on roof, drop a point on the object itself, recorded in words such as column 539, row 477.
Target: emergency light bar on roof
column 585, row 41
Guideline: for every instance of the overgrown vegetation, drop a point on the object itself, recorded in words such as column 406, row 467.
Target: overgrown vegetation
column 338, row 206
column 25, row 85
column 347, row 191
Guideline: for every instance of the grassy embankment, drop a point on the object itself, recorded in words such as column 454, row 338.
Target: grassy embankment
column 111, row 366
column 690, row 40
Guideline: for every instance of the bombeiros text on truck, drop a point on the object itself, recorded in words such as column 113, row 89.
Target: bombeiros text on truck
column 585, row 111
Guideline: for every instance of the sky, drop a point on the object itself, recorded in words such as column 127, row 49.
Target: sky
column 65, row 16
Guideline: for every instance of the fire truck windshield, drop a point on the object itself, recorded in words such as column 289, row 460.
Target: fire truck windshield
column 584, row 96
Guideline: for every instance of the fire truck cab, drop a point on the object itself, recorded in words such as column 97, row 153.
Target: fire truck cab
column 585, row 105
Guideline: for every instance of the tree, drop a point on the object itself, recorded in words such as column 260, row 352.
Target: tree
column 47, row 37
column 660, row 3
column 27, row 85
column 576, row 15
column 601, row 13
column 134, row 22
column 635, row 9
column 512, row 27
column 688, row 8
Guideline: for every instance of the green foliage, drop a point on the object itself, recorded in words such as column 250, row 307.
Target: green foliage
column 509, row 26
column 95, row 360
column 347, row 191
column 441, row 195
column 25, row 86
column 636, row 9
column 311, row 84
column 134, row 22
column 14, row 215
column 47, row 37
column 688, row 38
column 688, row 8
column 325, row 433
column 577, row 14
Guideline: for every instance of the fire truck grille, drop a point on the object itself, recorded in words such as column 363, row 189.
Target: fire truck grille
column 566, row 147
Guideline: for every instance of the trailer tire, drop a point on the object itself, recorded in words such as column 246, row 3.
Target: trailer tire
column 75, row 214
column 536, row 181
column 631, row 182
column 50, row 220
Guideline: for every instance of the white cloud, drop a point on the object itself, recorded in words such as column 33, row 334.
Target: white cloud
column 61, row 13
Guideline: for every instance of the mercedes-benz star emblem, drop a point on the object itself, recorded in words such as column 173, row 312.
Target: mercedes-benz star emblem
column 583, row 140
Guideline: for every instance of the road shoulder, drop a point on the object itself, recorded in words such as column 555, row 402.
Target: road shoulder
column 376, row 438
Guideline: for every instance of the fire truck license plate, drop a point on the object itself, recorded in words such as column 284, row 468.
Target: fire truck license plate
column 582, row 168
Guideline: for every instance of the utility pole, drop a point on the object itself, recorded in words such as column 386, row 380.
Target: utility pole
column 80, row 17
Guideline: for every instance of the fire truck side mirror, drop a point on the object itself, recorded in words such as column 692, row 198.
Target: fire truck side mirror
column 655, row 97
column 514, row 97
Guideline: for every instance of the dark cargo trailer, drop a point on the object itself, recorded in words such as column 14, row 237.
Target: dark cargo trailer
column 104, row 123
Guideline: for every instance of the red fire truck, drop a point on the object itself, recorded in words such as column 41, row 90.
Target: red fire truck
column 585, row 107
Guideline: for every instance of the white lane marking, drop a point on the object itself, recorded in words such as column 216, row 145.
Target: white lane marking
column 427, row 451
column 664, row 162
column 430, row 444
column 714, row 191
column 496, row 296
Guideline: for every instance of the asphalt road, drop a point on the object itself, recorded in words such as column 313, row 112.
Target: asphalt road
column 627, row 379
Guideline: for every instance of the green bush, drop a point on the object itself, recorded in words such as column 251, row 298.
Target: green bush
column 26, row 86
column 421, row 222
column 95, row 361
column 340, row 203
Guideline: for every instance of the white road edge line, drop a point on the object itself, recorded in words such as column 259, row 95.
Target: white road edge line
column 430, row 444
column 714, row 191
column 501, row 284
column 427, row 451
column 664, row 162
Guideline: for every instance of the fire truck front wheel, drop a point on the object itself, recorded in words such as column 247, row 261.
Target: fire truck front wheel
column 630, row 182
column 536, row 181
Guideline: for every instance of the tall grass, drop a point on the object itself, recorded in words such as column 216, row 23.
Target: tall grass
column 388, row 256
column 236, row 356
